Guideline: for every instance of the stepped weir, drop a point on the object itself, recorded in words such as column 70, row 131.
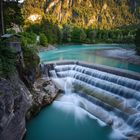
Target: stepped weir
column 112, row 94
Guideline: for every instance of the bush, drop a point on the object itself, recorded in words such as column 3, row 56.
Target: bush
column 29, row 48
column 67, row 33
column 28, row 38
column 7, row 61
column 10, row 31
column 35, row 28
column 137, row 41
column 51, row 30
column 31, row 59
column 43, row 40
column 78, row 35
column 92, row 34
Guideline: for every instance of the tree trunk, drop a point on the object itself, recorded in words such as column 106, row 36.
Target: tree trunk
column 1, row 18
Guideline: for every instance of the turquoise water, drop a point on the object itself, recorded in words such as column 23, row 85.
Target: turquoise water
column 56, row 123
column 65, row 121
column 88, row 53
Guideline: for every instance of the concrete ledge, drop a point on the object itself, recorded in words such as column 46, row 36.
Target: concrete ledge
column 108, row 69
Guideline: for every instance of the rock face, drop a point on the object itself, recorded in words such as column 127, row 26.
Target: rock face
column 15, row 100
column 44, row 92
column 97, row 13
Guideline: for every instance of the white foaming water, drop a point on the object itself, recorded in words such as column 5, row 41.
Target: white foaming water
column 73, row 103
column 100, row 74
column 117, row 135
column 69, row 104
column 68, row 85
column 114, row 98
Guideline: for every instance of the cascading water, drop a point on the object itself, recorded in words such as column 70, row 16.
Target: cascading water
column 111, row 98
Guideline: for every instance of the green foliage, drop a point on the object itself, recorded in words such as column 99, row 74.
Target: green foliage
column 7, row 61
column 28, row 38
column 43, row 40
column 60, row 36
column 84, row 22
column 67, row 33
column 29, row 48
column 78, row 35
column 137, row 41
column 31, row 59
column 10, row 31
column 34, row 28
column 105, row 14
column 82, row 35
column 91, row 35
column 111, row 36
column 51, row 30
column 32, row 7
column 12, row 13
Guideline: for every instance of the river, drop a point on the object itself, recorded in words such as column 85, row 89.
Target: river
column 64, row 119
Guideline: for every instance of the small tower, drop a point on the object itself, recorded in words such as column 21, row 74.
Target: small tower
column 12, row 41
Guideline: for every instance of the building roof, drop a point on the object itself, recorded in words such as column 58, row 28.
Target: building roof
column 9, row 35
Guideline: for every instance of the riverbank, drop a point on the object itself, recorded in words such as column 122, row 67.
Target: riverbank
column 44, row 93
column 48, row 48
column 128, row 55
column 124, row 55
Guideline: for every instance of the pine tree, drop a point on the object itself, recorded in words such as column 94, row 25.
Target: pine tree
column 1, row 18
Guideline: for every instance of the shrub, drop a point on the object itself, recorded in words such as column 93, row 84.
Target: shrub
column 137, row 41
column 29, row 48
column 43, row 40
column 10, row 31
column 78, row 35
column 7, row 61
column 28, row 38
column 92, row 34
column 31, row 59
column 35, row 28
column 67, row 33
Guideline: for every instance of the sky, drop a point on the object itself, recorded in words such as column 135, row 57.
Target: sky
column 21, row 1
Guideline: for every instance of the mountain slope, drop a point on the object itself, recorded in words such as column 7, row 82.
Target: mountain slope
column 96, row 13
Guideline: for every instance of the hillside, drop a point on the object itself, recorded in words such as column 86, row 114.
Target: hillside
column 95, row 13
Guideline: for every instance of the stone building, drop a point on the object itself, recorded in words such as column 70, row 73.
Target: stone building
column 13, row 41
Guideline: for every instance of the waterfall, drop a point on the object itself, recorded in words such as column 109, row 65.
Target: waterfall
column 109, row 96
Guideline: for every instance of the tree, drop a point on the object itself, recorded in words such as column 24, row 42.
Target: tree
column 43, row 40
column 92, row 34
column 31, row 59
column 7, row 61
column 32, row 7
column 51, row 30
column 83, row 35
column 28, row 38
column 137, row 41
column 12, row 13
column 78, row 35
column 67, row 30
column 1, row 18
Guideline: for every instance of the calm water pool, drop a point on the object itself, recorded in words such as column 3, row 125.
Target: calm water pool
column 84, row 53
column 64, row 121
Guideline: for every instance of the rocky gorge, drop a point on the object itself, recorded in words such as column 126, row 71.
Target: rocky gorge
column 20, row 102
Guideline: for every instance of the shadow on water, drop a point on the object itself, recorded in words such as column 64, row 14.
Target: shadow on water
column 65, row 120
